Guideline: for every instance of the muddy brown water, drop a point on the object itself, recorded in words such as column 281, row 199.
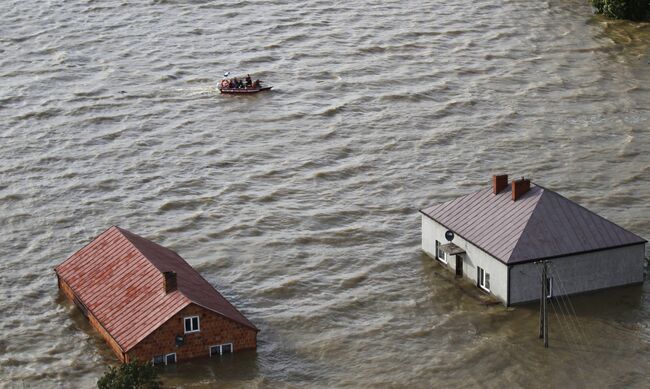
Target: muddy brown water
column 300, row 205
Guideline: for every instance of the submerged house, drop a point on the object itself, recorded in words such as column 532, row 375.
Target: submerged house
column 148, row 303
column 497, row 237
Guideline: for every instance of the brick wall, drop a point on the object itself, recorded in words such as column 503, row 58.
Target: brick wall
column 67, row 291
column 214, row 329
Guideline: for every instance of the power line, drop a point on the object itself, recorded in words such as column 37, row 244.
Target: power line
column 566, row 300
column 565, row 323
column 567, row 318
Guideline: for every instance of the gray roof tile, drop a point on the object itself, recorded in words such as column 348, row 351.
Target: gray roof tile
column 541, row 224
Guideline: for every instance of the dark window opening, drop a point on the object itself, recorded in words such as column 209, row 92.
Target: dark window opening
column 191, row 324
column 170, row 358
column 221, row 349
column 158, row 359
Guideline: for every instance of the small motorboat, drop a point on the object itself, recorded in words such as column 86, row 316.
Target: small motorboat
column 244, row 90
column 226, row 86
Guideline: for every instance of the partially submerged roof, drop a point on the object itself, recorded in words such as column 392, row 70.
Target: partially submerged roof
column 118, row 277
column 540, row 224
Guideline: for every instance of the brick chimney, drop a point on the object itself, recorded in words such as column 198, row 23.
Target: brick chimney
column 499, row 183
column 169, row 281
column 520, row 188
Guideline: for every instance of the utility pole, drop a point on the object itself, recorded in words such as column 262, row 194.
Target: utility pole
column 543, row 311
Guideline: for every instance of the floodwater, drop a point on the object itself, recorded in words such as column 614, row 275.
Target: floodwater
column 300, row 205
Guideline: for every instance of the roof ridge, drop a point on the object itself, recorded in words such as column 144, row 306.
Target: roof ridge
column 122, row 231
column 590, row 211
column 530, row 217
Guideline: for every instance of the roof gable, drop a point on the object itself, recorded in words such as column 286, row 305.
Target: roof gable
column 118, row 277
column 190, row 283
column 540, row 224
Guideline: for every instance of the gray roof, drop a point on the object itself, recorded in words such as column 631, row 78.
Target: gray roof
column 541, row 224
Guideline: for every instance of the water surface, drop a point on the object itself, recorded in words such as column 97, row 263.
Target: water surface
column 300, row 205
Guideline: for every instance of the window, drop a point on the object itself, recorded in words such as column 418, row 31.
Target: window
column 483, row 278
column 158, row 359
column 442, row 256
column 192, row 324
column 221, row 349
column 170, row 358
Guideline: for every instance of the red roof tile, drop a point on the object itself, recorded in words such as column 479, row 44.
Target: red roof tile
column 541, row 224
column 118, row 277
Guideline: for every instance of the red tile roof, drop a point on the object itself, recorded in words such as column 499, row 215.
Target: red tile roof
column 541, row 224
column 118, row 277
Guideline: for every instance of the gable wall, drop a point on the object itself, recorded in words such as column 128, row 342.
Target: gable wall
column 473, row 257
column 215, row 329
column 579, row 273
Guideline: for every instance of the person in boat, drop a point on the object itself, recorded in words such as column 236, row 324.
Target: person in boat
column 235, row 83
column 231, row 84
column 257, row 84
column 249, row 82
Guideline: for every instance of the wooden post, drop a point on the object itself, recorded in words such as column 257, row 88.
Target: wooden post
column 543, row 307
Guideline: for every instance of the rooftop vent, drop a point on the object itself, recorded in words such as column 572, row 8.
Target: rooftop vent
column 169, row 281
column 499, row 183
column 520, row 188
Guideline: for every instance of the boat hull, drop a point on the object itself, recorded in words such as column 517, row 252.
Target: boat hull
column 244, row 91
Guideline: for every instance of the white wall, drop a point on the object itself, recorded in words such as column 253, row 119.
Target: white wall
column 473, row 257
column 579, row 273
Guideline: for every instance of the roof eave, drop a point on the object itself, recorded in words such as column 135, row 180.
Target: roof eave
column 643, row 241
column 76, row 295
column 250, row 325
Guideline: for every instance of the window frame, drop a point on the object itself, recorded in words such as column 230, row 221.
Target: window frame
column 481, row 277
column 153, row 360
column 232, row 348
column 198, row 324
column 442, row 259
column 175, row 358
column 210, row 350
